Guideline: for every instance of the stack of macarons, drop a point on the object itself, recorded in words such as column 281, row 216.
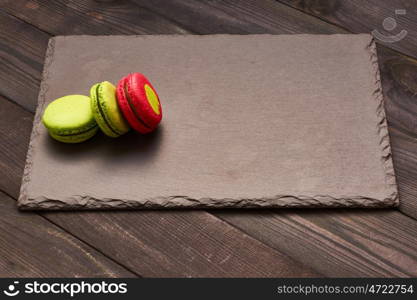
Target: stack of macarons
column 134, row 103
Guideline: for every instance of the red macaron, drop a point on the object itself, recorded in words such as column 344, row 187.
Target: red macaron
column 139, row 102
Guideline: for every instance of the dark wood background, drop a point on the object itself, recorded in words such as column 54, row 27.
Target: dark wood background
column 331, row 243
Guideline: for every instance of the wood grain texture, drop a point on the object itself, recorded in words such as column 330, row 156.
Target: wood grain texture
column 179, row 244
column 338, row 243
column 22, row 49
column 178, row 16
column 90, row 17
column 302, row 242
column 152, row 244
column 364, row 16
column 237, row 17
column 16, row 124
column 400, row 89
column 30, row 246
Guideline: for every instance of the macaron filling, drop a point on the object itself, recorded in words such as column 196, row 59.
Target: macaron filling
column 132, row 107
column 152, row 99
column 103, row 115
column 80, row 132
column 75, row 137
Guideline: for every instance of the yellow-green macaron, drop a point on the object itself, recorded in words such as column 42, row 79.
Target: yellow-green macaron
column 106, row 110
column 70, row 119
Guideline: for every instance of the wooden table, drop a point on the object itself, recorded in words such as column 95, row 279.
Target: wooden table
column 273, row 243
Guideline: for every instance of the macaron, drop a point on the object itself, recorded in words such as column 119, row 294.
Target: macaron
column 106, row 110
column 139, row 102
column 70, row 119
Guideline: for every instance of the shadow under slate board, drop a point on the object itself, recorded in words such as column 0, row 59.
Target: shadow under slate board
column 249, row 121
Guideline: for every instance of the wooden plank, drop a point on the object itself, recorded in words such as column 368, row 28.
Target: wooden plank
column 15, row 134
column 90, row 17
column 360, row 16
column 30, row 246
column 22, row 49
column 179, row 244
column 185, row 244
column 338, row 243
column 400, row 88
column 237, row 17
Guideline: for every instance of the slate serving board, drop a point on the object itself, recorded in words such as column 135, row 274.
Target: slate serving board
column 249, row 121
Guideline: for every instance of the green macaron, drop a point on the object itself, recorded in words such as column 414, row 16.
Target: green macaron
column 70, row 119
column 106, row 110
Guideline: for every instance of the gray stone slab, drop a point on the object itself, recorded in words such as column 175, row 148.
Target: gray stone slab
column 249, row 121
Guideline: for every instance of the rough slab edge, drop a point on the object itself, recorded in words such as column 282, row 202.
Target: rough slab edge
column 86, row 202
column 382, row 127
column 181, row 202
